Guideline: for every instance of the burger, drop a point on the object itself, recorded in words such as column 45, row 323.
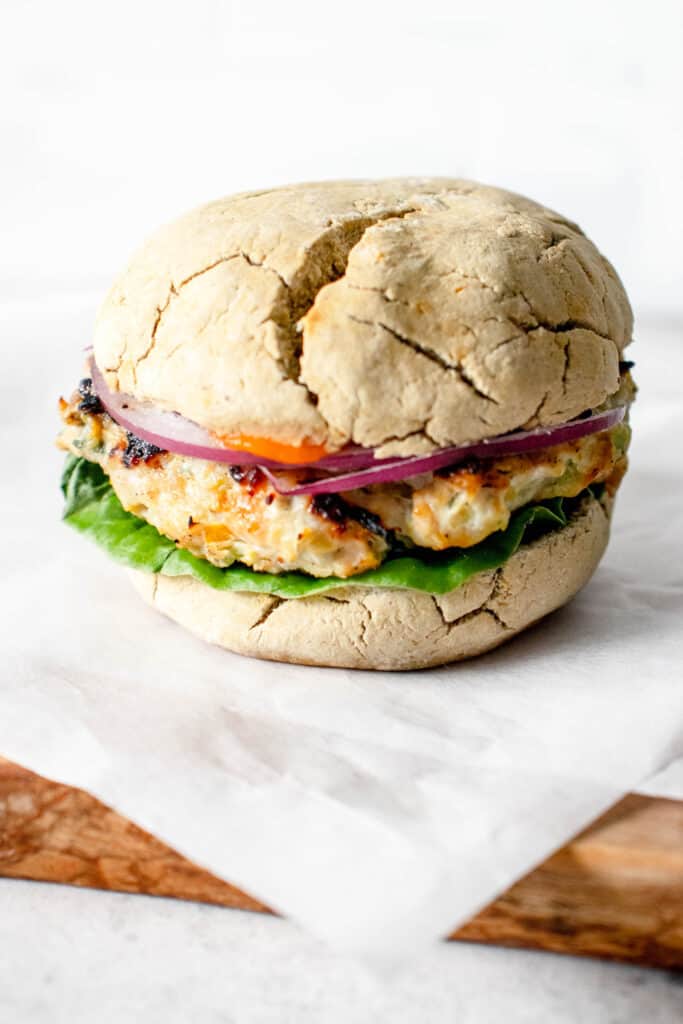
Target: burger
column 368, row 424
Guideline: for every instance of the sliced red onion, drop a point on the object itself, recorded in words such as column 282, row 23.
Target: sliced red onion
column 354, row 466
column 509, row 444
column 174, row 433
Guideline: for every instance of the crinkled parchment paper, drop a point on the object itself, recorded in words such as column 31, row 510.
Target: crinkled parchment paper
column 378, row 811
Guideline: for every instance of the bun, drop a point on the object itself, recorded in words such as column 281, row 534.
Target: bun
column 403, row 314
column 394, row 629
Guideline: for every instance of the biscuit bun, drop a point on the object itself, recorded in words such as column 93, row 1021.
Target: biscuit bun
column 367, row 628
column 404, row 315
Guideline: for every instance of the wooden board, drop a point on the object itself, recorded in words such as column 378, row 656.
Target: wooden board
column 615, row 891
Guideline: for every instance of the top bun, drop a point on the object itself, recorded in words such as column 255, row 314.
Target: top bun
column 403, row 314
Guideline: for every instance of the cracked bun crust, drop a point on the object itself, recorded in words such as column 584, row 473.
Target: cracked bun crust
column 403, row 314
column 394, row 629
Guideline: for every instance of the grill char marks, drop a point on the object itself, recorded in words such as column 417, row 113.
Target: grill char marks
column 137, row 451
column 470, row 465
column 89, row 403
column 250, row 477
column 337, row 511
column 330, row 507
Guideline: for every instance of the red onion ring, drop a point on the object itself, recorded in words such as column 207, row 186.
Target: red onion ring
column 491, row 448
column 174, row 433
column 355, row 466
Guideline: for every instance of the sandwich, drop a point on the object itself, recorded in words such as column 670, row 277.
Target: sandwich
column 366, row 424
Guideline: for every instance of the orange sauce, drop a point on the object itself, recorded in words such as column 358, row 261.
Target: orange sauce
column 275, row 450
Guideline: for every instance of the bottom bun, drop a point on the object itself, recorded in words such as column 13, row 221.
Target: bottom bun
column 376, row 628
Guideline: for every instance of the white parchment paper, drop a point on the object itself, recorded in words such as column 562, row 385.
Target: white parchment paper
column 379, row 811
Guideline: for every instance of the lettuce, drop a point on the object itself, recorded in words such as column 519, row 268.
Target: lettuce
column 92, row 508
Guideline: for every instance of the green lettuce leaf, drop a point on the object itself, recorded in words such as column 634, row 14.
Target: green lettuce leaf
column 93, row 509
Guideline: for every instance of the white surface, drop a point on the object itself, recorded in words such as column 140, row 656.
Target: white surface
column 76, row 957
column 377, row 810
column 668, row 782
column 114, row 120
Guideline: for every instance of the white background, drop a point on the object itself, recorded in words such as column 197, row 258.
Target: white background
column 116, row 117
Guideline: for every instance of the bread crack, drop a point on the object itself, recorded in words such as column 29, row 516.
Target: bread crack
column 536, row 414
column 567, row 365
column 469, row 380
column 326, row 262
column 451, row 624
column 501, row 622
column 428, row 353
column 485, row 608
column 562, row 327
column 173, row 292
column 274, row 603
column 422, row 432
column 364, row 624
column 264, row 266
column 555, row 243
column 528, row 324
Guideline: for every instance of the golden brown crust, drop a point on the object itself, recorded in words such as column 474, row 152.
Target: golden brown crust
column 402, row 313
column 393, row 629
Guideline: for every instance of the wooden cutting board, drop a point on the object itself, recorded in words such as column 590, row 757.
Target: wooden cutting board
column 614, row 891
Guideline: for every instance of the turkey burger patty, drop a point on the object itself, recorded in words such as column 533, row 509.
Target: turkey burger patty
column 376, row 424
column 227, row 513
